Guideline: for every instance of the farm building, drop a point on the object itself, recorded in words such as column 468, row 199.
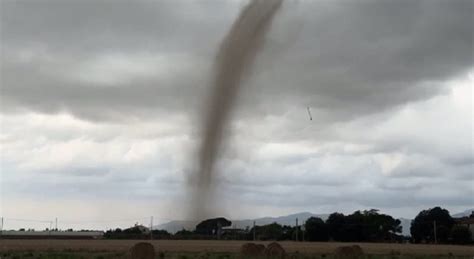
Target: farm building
column 468, row 222
column 139, row 229
column 234, row 233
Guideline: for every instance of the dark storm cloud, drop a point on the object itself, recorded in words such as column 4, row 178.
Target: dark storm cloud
column 356, row 58
column 96, row 26
column 61, row 37
column 346, row 58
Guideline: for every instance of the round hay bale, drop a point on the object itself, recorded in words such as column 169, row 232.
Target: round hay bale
column 251, row 249
column 354, row 251
column 357, row 250
column 142, row 250
column 275, row 250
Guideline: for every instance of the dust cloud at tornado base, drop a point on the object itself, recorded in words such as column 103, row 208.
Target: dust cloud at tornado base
column 234, row 59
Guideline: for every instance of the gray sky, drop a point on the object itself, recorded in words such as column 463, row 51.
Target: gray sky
column 101, row 109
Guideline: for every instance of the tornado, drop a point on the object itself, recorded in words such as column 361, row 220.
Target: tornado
column 234, row 59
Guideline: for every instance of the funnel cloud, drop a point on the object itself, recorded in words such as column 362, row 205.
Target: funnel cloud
column 236, row 55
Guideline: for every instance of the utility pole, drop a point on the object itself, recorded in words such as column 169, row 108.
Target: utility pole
column 151, row 227
column 434, row 228
column 1, row 228
column 219, row 230
column 303, row 230
column 296, row 229
column 254, row 236
column 56, row 224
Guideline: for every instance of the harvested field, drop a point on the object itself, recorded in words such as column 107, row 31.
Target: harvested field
column 213, row 246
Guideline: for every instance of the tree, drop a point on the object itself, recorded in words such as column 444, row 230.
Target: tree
column 133, row 231
column 160, row 234
column 379, row 227
column 461, row 235
column 273, row 231
column 423, row 226
column 336, row 225
column 184, row 234
column 212, row 226
column 316, row 229
column 366, row 225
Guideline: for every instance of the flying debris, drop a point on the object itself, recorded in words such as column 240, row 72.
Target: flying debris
column 309, row 114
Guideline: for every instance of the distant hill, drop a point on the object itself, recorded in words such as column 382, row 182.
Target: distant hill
column 289, row 220
column 177, row 225
column 465, row 213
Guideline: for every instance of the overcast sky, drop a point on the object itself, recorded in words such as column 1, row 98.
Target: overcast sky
column 101, row 109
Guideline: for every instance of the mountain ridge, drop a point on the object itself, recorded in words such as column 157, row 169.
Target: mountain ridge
column 465, row 213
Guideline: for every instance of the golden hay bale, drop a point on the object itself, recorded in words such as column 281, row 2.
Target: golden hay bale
column 142, row 250
column 251, row 249
column 353, row 251
column 275, row 250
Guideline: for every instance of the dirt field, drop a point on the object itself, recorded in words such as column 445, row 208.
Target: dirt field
column 197, row 246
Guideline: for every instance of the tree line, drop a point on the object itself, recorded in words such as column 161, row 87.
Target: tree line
column 433, row 225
